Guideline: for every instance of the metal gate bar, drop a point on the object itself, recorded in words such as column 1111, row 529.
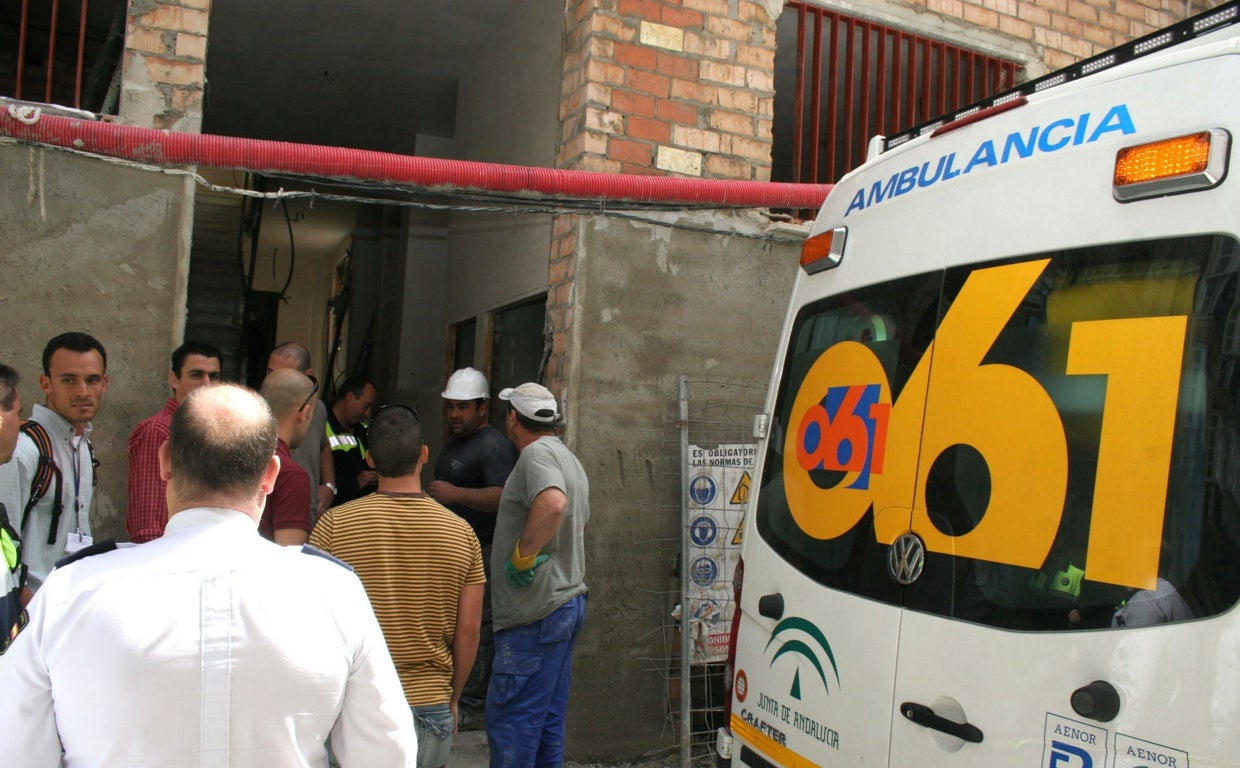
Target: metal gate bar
column 856, row 77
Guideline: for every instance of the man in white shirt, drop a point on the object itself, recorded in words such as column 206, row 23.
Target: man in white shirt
column 210, row 645
column 74, row 380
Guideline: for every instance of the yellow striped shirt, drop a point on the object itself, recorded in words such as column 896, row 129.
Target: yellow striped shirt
column 413, row 556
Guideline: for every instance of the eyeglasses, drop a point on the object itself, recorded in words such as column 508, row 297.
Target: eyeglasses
column 408, row 409
column 313, row 390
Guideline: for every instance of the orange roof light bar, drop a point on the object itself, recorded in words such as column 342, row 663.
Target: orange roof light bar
column 824, row 250
column 1181, row 164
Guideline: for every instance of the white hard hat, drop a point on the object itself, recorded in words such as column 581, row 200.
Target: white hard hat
column 467, row 384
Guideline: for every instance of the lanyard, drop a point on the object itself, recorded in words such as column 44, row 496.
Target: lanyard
column 75, row 445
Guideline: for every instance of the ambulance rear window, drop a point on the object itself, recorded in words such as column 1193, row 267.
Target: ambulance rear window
column 1083, row 472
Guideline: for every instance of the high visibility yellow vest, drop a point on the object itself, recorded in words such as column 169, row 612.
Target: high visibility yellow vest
column 343, row 441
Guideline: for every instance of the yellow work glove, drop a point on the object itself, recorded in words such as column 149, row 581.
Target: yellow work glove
column 520, row 568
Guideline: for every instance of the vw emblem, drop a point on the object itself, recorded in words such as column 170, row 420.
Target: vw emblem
column 905, row 558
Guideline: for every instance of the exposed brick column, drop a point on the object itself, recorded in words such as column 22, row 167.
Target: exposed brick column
column 654, row 86
column 165, row 64
column 684, row 87
column 560, row 285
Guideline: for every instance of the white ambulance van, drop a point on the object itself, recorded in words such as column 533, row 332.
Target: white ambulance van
column 998, row 517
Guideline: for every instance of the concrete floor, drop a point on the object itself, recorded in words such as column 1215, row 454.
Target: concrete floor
column 469, row 750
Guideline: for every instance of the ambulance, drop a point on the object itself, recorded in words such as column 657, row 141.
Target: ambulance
column 997, row 519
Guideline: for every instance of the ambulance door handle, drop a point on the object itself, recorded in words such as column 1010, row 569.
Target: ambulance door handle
column 924, row 716
column 771, row 606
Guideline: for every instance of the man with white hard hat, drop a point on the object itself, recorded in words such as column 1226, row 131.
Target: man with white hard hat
column 539, row 603
column 469, row 478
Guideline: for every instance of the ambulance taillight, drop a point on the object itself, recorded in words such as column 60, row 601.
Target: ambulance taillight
column 824, row 250
column 1187, row 163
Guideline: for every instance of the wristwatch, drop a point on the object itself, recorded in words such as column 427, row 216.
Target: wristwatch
column 332, row 487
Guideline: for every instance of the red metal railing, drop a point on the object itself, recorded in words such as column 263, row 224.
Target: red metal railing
column 860, row 78
column 40, row 35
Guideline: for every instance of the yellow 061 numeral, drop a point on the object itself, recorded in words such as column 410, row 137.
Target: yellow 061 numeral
column 953, row 398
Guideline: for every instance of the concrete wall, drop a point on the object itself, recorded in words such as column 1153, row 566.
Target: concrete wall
column 651, row 303
column 100, row 248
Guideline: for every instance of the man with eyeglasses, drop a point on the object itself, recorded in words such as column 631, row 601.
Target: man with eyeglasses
column 313, row 455
column 286, row 516
column 421, row 566
column 194, row 364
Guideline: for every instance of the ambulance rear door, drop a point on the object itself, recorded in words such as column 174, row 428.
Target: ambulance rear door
column 1073, row 550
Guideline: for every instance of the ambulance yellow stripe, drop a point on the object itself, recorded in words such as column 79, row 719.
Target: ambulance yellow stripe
column 773, row 749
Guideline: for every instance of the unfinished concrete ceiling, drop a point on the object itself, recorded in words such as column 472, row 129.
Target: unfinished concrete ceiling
column 369, row 74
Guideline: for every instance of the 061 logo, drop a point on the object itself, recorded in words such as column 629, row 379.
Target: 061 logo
column 846, row 432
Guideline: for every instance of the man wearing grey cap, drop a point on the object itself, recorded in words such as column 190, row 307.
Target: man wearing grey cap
column 538, row 605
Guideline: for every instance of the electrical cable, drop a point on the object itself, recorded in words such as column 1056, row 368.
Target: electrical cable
column 292, row 252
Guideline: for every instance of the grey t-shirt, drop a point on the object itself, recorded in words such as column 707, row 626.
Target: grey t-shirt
column 307, row 454
column 1161, row 605
column 545, row 463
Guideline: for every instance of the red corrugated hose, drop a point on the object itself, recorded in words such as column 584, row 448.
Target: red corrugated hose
column 170, row 148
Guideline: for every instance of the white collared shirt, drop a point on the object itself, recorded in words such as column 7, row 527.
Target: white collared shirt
column 209, row 646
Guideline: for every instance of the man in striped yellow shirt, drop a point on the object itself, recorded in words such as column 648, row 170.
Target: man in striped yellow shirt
column 421, row 566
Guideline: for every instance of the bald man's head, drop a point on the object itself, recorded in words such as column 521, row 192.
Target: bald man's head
column 290, row 354
column 286, row 391
column 220, row 444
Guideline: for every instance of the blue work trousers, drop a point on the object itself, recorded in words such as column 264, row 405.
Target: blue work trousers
column 528, row 697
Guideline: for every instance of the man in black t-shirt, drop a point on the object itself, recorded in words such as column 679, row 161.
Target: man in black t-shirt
column 469, row 479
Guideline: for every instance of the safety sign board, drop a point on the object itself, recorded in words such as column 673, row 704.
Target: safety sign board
column 720, row 478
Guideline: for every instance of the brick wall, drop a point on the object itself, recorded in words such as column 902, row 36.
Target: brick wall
column 675, row 87
column 165, row 63
column 1066, row 31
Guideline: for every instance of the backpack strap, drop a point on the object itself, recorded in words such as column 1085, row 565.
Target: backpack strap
column 94, row 464
column 42, row 480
